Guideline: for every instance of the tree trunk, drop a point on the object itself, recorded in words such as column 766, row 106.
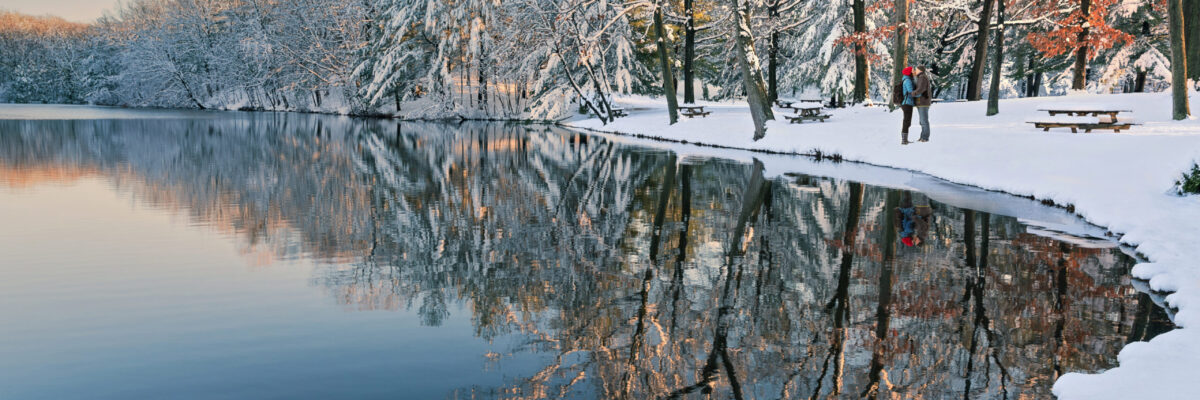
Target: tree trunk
column 861, row 68
column 668, row 75
column 997, row 62
column 1179, row 87
column 1191, row 24
column 773, row 56
column 1080, row 81
column 975, row 80
column 900, row 50
column 689, row 53
column 1033, row 81
column 1139, row 83
column 756, row 94
column 773, row 69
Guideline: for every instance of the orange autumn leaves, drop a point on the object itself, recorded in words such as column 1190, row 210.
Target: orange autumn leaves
column 1062, row 36
column 1071, row 22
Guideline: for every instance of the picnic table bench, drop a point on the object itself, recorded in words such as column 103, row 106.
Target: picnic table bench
column 1106, row 120
column 693, row 111
column 1087, row 127
column 807, row 114
column 619, row 112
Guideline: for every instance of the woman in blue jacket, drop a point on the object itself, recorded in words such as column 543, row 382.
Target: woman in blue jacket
column 908, row 103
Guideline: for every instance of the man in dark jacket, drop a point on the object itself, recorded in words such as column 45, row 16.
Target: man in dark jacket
column 923, row 97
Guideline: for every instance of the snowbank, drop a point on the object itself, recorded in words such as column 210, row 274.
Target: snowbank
column 1119, row 181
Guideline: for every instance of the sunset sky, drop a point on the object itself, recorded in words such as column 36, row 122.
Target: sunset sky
column 71, row 10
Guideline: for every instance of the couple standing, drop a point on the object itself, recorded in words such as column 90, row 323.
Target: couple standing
column 916, row 94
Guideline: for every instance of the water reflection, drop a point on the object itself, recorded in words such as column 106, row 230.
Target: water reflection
column 638, row 274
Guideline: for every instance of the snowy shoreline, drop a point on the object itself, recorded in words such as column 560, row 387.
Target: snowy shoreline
column 1121, row 182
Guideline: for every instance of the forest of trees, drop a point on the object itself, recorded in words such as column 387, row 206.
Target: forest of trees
column 545, row 59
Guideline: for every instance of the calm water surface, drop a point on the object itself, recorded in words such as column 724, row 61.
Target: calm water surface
column 293, row 256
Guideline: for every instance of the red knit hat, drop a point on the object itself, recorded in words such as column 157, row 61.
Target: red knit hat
column 907, row 71
column 907, row 241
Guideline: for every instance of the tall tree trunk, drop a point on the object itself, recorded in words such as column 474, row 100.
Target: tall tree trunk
column 1191, row 24
column 900, row 50
column 975, row 80
column 756, row 93
column 668, row 74
column 997, row 62
column 1080, row 81
column 1033, row 82
column 773, row 55
column 861, row 68
column 689, row 53
column 1179, row 89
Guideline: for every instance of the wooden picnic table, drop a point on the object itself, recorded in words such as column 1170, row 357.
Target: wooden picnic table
column 1085, row 112
column 1087, row 126
column 792, row 103
column 619, row 112
column 807, row 114
column 693, row 111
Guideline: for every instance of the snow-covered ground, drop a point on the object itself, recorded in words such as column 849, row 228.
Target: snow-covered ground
column 1121, row 181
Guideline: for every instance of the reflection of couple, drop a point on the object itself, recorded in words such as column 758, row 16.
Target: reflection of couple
column 913, row 221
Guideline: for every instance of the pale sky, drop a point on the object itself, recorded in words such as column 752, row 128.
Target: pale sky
column 71, row 10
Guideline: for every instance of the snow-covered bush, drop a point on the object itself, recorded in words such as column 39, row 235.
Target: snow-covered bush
column 1189, row 183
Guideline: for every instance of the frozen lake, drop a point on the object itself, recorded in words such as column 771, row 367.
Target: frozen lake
column 159, row 254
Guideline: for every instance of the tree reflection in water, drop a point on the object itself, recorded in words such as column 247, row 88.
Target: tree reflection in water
column 641, row 274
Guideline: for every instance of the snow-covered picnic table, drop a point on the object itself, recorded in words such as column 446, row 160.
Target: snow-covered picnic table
column 806, row 113
column 1095, row 112
column 1076, row 118
column 692, row 111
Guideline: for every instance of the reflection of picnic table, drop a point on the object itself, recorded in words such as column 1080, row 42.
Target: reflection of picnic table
column 807, row 114
column 1105, row 119
column 693, row 111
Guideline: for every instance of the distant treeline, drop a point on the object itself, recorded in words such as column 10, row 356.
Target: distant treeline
column 549, row 58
